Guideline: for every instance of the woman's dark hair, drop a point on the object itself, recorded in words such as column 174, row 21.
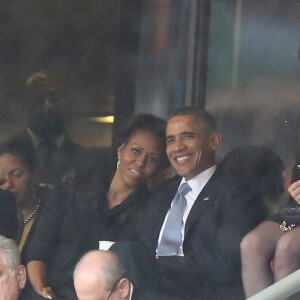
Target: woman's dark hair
column 259, row 167
column 145, row 122
column 20, row 150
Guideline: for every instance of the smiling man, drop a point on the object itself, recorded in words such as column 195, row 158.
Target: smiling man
column 195, row 222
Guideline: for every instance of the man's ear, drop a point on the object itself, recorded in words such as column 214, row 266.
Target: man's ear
column 215, row 140
column 124, row 288
column 21, row 276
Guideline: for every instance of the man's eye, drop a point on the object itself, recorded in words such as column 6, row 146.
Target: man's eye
column 135, row 151
column 188, row 136
column 169, row 141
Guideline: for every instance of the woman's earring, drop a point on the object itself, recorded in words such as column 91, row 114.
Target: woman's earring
column 118, row 164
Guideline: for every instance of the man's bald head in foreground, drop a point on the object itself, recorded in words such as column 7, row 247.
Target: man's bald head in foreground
column 99, row 275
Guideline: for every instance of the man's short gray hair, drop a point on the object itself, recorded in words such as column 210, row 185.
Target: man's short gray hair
column 113, row 271
column 10, row 254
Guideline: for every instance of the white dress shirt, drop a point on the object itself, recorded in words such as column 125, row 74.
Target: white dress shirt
column 197, row 184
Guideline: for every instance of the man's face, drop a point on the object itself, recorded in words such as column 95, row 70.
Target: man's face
column 46, row 118
column 11, row 285
column 189, row 149
column 18, row 178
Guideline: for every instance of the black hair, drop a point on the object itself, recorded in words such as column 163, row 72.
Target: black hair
column 145, row 122
column 259, row 167
column 19, row 149
column 200, row 114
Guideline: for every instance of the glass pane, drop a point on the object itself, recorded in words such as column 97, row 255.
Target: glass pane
column 253, row 73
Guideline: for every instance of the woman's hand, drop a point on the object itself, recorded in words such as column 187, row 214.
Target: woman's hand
column 37, row 274
column 294, row 190
column 48, row 293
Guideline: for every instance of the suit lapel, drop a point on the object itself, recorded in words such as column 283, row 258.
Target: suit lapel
column 205, row 199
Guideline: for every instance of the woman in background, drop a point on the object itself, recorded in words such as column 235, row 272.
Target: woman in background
column 105, row 206
column 19, row 166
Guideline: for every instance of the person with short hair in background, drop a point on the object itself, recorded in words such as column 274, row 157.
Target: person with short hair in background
column 61, row 160
column 100, row 275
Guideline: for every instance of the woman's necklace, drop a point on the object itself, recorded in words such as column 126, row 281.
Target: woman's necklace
column 33, row 212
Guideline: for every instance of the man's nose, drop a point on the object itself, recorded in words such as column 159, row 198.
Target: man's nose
column 178, row 145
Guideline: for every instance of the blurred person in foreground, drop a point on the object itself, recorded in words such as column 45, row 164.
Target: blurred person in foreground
column 60, row 159
column 12, row 273
column 100, row 275
column 105, row 207
column 194, row 222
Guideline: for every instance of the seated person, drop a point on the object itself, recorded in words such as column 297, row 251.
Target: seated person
column 104, row 207
column 19, row 165
column 272, row 239
column 12, row 273
column 8, row 214
column 101, row 275
column 141, row 155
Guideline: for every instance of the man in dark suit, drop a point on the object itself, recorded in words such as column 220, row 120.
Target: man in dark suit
column 60, row 159
column 196, row 244
column 101, row 275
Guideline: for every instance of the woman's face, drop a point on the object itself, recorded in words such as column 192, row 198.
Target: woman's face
column 18, row 178
column 139, row 158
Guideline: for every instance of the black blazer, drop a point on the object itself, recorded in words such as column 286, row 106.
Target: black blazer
column 59, row 241
column 222, row 214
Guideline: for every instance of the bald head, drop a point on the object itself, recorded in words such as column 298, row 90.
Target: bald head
column 98, row 274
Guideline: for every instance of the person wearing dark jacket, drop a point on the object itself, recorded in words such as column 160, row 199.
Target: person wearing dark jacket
column 60, row 159
column 98, row 207
column 8, row 214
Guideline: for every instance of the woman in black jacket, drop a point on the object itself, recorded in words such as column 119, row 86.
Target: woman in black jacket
column 106, row 205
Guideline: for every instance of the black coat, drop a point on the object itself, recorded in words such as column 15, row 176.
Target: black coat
column 222, row 214
column 59, row 241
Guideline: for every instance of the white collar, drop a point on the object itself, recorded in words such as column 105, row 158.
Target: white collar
column 198, row 182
